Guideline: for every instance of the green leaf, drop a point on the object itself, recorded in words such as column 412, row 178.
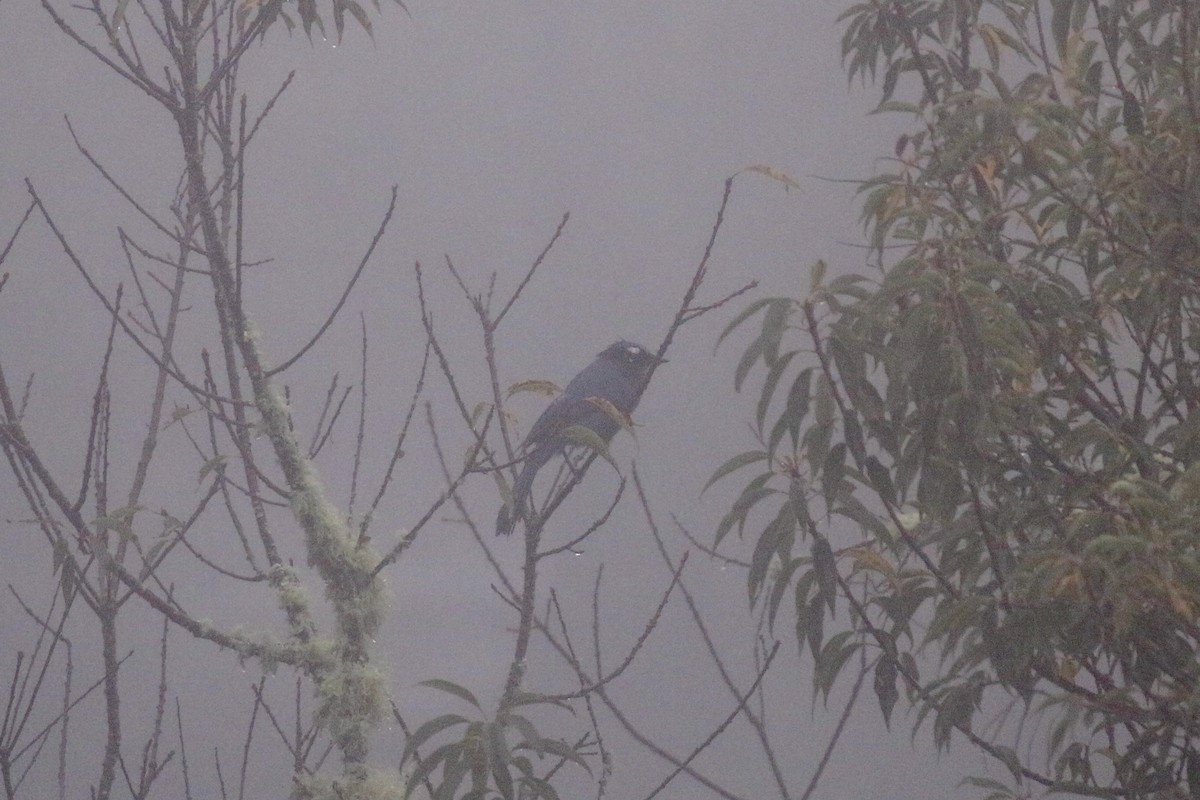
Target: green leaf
column 480, row 764
column 586, row 437
column 540, row 788
column 547, row 388
column 1193, row 774
column 451, row 688
column 854, row 438
column 1060, row 22
column 769, row 384
column 774, row 324
column 119, row 520
column 1008, row 757
column 454, row 769
column 151, row 556
column 779, row 588
column 519, row 699
column 754, row 492
column 1131, row 114
column 68, row 580
column 360, row 16
column 955, row 617
column 816, row 444
column 871, row 523
column 215, row 464
column 429, row 764
column 773, row 174
column 615, row 414
column 309, row 17
column 498, row 754
column 885, row 686
column 832, row 472
column 998, row 789
column 746, row 313
column 831, row 659
column 797, row 405
column 810, row 614
column 428, row 730
column 777, row 537
column 825, row 404
column 881, row 479
column 749, row 358
column 826, row 569
column 530, row 737
column 339, row 19
column 563, row 750
column 734, row 464
column 816, row 275
column 955, row 711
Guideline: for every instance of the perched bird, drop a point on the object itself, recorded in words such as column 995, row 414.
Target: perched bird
column 617, row 376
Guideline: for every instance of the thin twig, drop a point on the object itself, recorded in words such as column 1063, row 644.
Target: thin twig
column 362, row 422
column 647, row 629
column 537, row 262
column 13, row 239
column 398, row 450
column 756, row 722
column 362, row 265
column 762, row 673
column 836, row 736
column 411, row 536
column 170, row 234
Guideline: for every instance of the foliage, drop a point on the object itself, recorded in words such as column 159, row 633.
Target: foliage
column 989, row 449
column 483, row 752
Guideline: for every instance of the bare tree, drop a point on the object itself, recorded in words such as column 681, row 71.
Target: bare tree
column 135, row 558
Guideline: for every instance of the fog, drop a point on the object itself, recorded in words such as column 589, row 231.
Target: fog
column 493, row 120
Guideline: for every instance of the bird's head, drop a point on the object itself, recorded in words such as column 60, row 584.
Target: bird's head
column 633, row 356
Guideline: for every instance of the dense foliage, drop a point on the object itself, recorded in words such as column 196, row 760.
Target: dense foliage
column 979, row 460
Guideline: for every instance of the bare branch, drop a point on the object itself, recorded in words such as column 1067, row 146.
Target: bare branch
column 362, row 264
column 140, row 81
column 13, row 239
column 647, row 629
column 362, row 422
column 170, row 234
column 533, row 268
column 762, row 673
column 713, row 653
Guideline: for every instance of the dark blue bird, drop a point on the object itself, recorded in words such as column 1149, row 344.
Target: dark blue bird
column 618, row 376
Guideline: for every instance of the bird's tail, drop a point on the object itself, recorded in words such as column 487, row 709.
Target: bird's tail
column 506, row 520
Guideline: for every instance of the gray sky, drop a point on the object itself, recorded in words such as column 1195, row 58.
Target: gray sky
column 495, row 118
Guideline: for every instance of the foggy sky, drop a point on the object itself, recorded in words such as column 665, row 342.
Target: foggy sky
column 493, row 119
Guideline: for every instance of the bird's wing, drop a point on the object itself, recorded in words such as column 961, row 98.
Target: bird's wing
column 558, row 415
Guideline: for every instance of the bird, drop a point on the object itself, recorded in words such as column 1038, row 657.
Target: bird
column 618, row 376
